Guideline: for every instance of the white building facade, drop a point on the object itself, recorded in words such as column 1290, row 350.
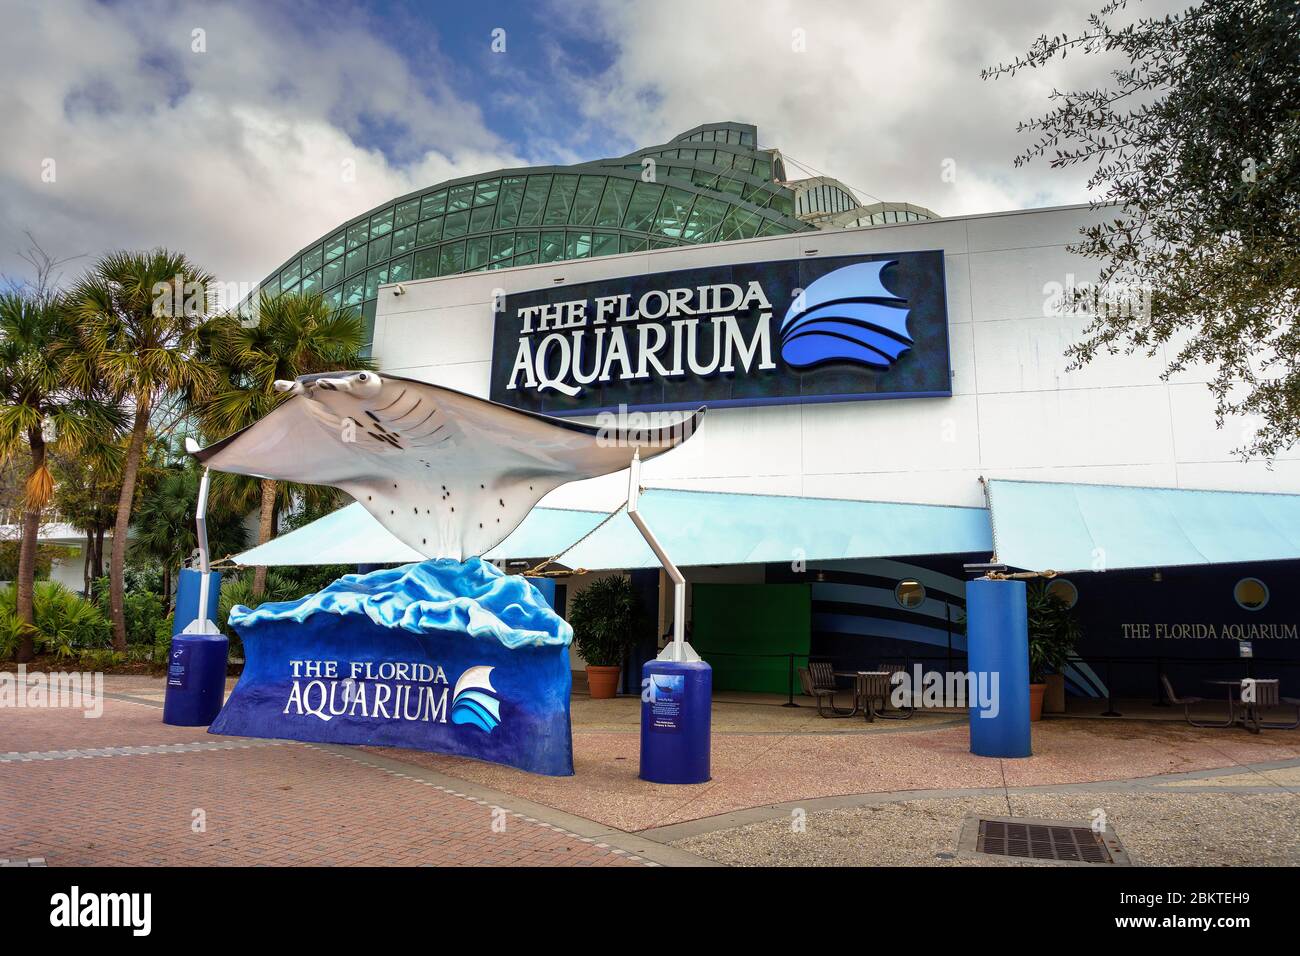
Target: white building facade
column 1006, row 408
column 1015, row 410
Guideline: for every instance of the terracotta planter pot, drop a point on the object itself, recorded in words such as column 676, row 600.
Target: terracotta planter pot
column 602, row 682
column 1035, row 701
column 1054, row 699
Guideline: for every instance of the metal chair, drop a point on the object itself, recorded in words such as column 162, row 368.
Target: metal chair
column 818, row 682
column 1188, row 702
column 871, row 688
column 895, row 713
column 1290, row 702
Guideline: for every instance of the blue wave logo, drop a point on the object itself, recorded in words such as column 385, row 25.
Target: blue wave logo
column 846, row 316
column 473, row 701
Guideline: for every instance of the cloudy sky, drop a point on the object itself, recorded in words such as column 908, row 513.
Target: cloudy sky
column 225, row 129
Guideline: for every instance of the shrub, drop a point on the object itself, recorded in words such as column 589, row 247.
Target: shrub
column 238, row 589
column 143, row 610
column 65, row 623
column 100, row 659
column 1053, row 631
column 606, row 618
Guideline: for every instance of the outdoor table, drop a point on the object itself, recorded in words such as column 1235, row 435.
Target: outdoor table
column 854, row 676
column 862, row 690
column 1251, row 711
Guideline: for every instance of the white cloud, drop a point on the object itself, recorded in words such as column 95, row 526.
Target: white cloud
column 882, row 94
column 234, row 155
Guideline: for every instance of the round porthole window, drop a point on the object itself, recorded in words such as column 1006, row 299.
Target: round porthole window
column 1064, row 591
column 909, row 593
column 1251, row 594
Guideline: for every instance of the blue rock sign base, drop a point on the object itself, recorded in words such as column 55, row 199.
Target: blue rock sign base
column 445, row 656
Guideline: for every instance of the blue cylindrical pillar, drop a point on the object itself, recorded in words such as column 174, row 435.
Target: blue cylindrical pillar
column 187, row 598
column 676, row 721
column 997, row 649
column 196, row 679
column 547, row 587
column 196, row 663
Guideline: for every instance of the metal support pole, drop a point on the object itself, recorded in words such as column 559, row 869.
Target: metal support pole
column 790, row 686
column 201, row 624
column 679, row 580
column 947, row 614
column 1110, row 710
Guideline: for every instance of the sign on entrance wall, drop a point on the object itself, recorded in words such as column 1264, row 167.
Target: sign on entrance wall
column 846, row 328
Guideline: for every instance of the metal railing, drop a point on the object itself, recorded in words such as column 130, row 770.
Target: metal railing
column 841, row 663
column 1158, row 666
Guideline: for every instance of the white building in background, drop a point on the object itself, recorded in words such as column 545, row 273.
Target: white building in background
column 889, row 400
column 1015, row 410
column 67, row 567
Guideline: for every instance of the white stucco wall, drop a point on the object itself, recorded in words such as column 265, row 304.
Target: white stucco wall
column 70, row 571
column 1015, row 411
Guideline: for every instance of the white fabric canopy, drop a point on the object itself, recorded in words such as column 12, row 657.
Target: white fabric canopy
column 352, row 535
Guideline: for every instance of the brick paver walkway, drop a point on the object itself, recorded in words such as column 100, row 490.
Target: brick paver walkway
column 126, row 789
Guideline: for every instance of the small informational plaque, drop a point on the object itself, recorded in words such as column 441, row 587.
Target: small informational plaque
column 667, row 693
column 178, row 667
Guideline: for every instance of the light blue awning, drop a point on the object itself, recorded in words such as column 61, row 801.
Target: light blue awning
column 352, row 535
column 703, row 528
column 1041, row 526
column 546, row 532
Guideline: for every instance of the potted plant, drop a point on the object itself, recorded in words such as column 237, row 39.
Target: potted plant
column 606, row 618
column 1053, row 632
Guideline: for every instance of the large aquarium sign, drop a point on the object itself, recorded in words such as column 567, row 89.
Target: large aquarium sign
column 845, row 328
column 447, row 656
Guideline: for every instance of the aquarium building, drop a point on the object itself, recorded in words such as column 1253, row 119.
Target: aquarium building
column 889, row 402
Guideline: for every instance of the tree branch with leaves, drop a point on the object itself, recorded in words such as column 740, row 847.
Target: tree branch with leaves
column 1196, row 147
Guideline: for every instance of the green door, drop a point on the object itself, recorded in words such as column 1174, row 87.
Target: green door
column 747, row 631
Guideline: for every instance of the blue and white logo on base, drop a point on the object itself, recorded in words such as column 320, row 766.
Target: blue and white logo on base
column 472, row 700
column 846, row 316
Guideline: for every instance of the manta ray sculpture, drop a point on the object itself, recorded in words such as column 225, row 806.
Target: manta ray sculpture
column 447, row 473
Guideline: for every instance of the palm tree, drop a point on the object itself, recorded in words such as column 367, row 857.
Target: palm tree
column 89, row 482
column 142, row 313
column 165, row 529
column 294, row 335
column 41, row 408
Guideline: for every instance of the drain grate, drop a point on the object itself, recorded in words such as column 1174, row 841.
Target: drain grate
column 1058, row 841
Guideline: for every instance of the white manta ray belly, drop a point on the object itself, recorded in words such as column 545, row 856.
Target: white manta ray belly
column 449, row 474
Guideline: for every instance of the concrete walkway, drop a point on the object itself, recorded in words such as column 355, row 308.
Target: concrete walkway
column 126, row 789
column 764, row 755
column 1239, row 816
column 787, row 788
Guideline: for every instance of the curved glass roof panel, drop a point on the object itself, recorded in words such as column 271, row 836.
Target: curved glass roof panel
column 709, row 184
